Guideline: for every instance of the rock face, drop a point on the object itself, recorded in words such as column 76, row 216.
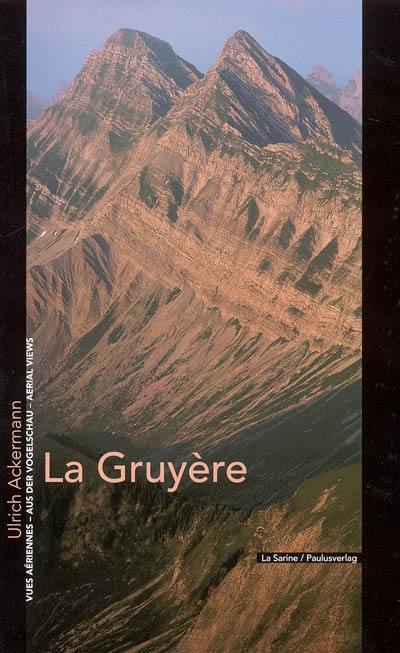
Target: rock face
column 215, row 284
column 349, row 97
column 133, row 80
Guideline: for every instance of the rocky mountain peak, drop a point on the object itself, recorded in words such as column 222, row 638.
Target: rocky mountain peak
column 132, row 68
column 140, row 43
column 354, row 85
column 253, row 95
column 321, row 74
column 130, row 38
column 351, row 96
column 129, row 83
column 321, row 79
column 144, row 47
column 241, row 49
column 241, row 38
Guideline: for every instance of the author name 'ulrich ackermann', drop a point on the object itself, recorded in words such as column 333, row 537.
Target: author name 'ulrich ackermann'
column 167, row 472
column 14, row 469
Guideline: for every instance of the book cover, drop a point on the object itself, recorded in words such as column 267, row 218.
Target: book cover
column 184, row 469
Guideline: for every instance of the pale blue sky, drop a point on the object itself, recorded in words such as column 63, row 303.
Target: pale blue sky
column 301, row 32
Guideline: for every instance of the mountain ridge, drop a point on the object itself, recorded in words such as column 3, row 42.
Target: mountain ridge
column 279, row 227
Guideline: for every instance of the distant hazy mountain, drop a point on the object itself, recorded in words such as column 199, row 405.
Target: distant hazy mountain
column 351, row 96
column 35, row 106
column 348, row 97
column 322, row 80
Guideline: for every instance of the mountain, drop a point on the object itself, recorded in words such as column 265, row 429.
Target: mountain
column 250, row 93
column 123, row 305
column 321, row 75
column 77, row 145
column 194, row 285
column 349, row 97
column 321, row 78
column 36, row 106
column 183, row 574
